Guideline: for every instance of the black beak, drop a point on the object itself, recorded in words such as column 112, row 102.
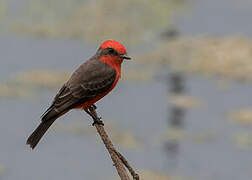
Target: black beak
column 125, row 57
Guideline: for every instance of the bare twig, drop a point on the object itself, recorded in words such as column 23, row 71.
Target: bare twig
column 116, row 157
column 127, row 165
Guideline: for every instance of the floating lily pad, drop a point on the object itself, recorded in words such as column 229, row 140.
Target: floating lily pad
column 177, row 134
column 174, row 134
column 242, row 116
column 204, row 137
column 42, row 78
column 2, row 169
column 184, row 101
column 243, row 140
column 14, row 91
column 2, row 10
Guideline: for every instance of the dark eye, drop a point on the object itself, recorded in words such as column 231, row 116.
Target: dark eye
column 111, row 51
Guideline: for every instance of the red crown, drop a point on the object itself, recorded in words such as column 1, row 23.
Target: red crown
column 115, row 45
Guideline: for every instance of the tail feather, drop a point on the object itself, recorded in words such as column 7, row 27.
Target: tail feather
column 47, row 120
column 39, row 132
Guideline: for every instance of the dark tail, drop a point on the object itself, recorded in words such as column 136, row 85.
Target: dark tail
column 39, row 132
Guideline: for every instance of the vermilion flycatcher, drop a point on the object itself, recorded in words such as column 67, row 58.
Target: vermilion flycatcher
column 89, row 83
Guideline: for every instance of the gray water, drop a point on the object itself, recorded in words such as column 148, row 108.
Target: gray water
column 216, row 17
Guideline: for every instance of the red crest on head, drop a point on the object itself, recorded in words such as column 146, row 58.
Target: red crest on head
column 115, row 45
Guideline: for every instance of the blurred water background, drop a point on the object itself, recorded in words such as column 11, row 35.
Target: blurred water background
column 181, row 112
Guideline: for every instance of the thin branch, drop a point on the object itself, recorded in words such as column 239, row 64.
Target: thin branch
column 127, row 165
column 108, row 144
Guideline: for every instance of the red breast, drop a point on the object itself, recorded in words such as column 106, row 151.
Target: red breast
column 114, row 62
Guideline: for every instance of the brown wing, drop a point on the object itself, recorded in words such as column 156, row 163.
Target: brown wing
column 91, row 79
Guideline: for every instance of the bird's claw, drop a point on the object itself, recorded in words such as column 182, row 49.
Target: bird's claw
column 94, row 106
column 98, row 121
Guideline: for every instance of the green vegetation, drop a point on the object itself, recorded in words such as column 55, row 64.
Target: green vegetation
column 2, row 10
column 228, row 57
column 131, row 21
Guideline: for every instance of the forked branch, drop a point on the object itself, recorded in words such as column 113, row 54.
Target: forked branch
column 117, row 158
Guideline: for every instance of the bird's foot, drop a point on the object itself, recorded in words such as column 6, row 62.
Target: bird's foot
column 98, row 121
column 94, row 106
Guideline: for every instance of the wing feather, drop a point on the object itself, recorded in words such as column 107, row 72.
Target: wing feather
column 91, row 79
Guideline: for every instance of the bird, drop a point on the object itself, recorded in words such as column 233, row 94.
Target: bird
column 89, row 83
